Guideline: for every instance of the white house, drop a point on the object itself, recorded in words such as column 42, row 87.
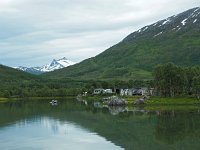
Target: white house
column 98, row 91
column 103, row 91
column 131, row 92
column 124, row 92
column 108, row 91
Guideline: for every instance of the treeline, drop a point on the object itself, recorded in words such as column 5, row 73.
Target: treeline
column 39, row 88
column 172, row 80
column 169, row 80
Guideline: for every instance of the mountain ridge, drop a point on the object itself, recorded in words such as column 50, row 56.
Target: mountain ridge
column 174, row 39
column 10, row 74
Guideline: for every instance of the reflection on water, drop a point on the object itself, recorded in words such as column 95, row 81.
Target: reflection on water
column 51, row 134
column 115, row 110
column 71, row 125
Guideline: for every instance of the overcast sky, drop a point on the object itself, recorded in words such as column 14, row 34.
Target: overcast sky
column 33, row 32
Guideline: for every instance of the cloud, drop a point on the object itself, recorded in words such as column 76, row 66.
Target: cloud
column 32, row 32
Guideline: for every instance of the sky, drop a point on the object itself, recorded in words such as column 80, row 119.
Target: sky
column 33, row 32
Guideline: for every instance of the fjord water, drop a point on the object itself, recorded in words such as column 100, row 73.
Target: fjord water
column 72, row 125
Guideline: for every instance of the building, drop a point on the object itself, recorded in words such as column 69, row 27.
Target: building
column 133, row 91
column 102, row 91
column 125, row 92
column 108, row 91
column 98, row 91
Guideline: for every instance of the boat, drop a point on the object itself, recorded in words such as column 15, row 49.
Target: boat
column 54, row 102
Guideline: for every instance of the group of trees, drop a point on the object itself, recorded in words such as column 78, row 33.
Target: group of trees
column 39, row 88
column 172, row 80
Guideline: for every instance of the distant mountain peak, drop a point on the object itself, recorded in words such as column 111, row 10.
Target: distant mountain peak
column 54, row 65
column 64, row 58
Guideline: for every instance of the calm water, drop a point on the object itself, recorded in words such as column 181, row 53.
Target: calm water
column 74, row 126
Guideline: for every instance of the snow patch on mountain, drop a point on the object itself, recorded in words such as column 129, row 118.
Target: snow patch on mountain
column 184, row 21
column 166, row 21
column 195, row 21
column 158, row 34
column 145, row 28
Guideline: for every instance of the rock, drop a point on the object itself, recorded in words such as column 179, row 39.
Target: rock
column 105, row 99
column 146, row 97
column 140, row 101
column 116, row 101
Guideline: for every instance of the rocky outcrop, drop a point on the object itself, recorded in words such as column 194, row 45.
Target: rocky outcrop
column 141, row 100
column 116, row 101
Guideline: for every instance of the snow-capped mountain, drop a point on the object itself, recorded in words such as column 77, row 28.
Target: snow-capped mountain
column 54, row 65
column 182, row 22
column 57, row 64
column 175, row 39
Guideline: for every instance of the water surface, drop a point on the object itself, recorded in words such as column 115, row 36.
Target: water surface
column 72, row 125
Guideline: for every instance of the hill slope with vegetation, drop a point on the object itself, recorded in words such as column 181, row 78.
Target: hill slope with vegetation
column 16, row 83
column 175, row 39
column 10, row 74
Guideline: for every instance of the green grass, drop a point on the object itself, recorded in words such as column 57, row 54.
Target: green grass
column 173, row 101
column 2, row 100
column 94, row 98
column 131, row 99
column 153, row 101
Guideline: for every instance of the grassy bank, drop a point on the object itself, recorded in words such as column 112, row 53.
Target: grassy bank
column 152, row 101
column 2, row 100
column 173, row 101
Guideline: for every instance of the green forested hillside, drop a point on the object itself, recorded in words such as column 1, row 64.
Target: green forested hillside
column 175, row 39
column 10, row 74
column 15, row 83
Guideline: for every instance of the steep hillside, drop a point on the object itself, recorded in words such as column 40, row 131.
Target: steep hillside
column 10, row 74
column 175, row 39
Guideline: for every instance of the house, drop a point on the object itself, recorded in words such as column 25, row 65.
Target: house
column 140, row 91
column 108, row 91
column 125, row 92
column 151, row 91
column 103, row 91
column 122, row 92
column 98, row 91
column 133, row 91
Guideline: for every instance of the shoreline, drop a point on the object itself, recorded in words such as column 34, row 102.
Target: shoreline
column 153, row 101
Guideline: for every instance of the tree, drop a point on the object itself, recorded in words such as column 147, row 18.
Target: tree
column 170, row 79
column 196, row 86
column 191, row 72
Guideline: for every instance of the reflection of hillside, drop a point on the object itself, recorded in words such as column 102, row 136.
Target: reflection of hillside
column 130, row 130
column 173, row 127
